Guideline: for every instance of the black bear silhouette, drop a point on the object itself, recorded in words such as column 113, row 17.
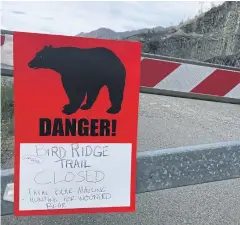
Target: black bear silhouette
column 84, row 72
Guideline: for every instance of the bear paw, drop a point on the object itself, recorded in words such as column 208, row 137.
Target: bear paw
column 85, row 107
column 69, row 109
column 113, row 110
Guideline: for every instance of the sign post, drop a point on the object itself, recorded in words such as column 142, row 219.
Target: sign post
column 76, row 114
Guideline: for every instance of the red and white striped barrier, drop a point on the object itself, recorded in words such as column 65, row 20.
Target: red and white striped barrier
column 6, row 50
column 167, row 75
column 2, row 40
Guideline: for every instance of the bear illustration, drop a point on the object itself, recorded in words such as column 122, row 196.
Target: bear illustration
column 84, row 72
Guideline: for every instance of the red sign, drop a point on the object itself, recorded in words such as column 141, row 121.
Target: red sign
column 76, row 111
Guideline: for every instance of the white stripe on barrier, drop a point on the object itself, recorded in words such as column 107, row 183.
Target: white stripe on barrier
column 185, row 78
column 9, row 193
column 6, row 51
column 234, row 93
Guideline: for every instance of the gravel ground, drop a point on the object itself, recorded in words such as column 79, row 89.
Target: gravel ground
column 173, row 122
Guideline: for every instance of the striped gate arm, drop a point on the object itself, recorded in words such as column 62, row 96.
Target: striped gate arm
column 190, row 78
column 2, row 39
column 6, row 51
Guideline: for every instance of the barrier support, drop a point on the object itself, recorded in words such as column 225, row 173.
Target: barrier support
column 179, row 94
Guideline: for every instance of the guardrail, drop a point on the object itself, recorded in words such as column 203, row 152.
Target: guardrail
column 171, row 168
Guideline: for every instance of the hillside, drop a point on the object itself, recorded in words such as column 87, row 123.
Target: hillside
column 111, row 34
column 229, row 60
column 213, row 37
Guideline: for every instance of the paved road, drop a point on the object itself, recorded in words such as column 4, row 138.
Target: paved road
column 173, row 122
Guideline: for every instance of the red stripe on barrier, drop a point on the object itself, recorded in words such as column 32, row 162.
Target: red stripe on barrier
column 153, row 71
column 2, row 39
column 218, row 83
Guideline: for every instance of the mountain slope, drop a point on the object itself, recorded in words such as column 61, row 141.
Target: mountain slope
column 111, row 34
column 211, row 36
column 229, row 60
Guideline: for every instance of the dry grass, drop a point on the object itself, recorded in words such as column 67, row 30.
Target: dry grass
column 7, row 126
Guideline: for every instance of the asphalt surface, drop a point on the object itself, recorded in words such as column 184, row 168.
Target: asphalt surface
column 172, row 122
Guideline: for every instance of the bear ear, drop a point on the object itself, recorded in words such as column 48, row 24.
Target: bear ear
column 47, row 47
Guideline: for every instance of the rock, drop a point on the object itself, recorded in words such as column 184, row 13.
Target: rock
column 213, row 36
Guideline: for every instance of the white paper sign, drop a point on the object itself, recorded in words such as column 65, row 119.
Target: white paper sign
column 67, row 176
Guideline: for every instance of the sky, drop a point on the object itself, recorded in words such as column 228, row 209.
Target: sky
column 73, row 17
